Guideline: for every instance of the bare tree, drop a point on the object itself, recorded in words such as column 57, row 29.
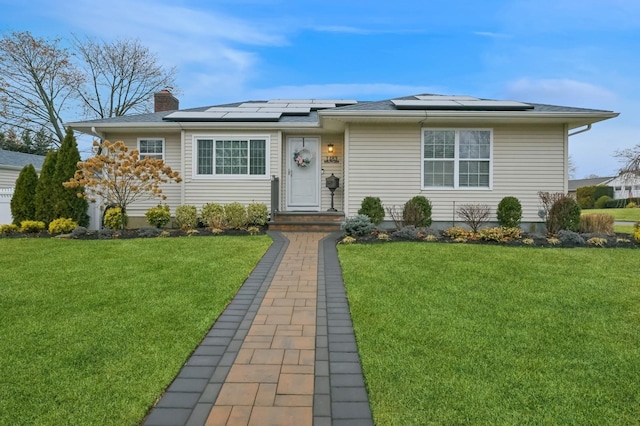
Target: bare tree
column 121, row 77
column 36, row 83
column 572, row 167
column 474, row 215
column 630, row 171
column 630, row 158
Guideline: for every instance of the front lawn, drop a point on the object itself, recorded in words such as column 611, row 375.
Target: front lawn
column 468, row 334
column 624, row 214
column 93, row 331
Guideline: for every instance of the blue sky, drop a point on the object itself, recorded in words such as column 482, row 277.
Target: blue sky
column 582, row 53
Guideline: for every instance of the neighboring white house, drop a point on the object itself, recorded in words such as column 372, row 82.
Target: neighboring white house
column 625, row 187
column 11, row 163
column 452, row 149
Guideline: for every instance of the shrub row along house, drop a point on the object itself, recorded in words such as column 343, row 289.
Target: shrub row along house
column 451, row 149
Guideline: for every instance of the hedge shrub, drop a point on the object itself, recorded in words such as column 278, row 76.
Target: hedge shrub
column 213, row 215
column 158, row 216
column 31, row 226
column 417, row 212
column 601, row 203
column 187, row 217
column 584, row 196
column 509, row 212
column 115, row 218
column 9, row 228
column 372, row 207
column 235, row 215
column 621, row 203
column 257, row 214
column 564, row 215
column 602, row 190
column 62, row 226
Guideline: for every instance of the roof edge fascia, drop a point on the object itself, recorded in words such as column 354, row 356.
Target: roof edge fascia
column 465, row 114
column 174, row 125
column 18, row 168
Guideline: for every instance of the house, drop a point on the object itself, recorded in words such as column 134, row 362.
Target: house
column 574, row 184
column 11, row 163
column 625, row 186
column 454, row 150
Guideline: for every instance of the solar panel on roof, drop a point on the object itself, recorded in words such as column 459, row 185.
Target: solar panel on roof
column 481, row 103
column 445, row 98
column 465, row 105
column 232, row 109
column 410, row 104
column 287, row 111
column 194, row 115
column 252, row 116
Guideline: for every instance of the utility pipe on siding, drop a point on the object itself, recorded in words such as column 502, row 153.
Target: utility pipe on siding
column 581, row 130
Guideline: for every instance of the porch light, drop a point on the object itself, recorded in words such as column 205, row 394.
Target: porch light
column 331, row 155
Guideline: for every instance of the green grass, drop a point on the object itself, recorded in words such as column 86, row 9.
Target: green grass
column 623, row 229
column 92, row 332
column 624, row 214
column 468, row 334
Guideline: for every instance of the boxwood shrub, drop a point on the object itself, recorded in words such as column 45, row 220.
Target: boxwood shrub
column 372, row 207
column 509, row 212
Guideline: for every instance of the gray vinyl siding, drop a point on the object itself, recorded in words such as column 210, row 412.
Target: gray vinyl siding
column 385, row 161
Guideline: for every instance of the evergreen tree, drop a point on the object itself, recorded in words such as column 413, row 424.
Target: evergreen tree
column 23, row 201
column 67, row 202
column 45, row 192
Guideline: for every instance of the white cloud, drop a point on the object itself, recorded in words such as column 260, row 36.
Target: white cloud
column 559, row 91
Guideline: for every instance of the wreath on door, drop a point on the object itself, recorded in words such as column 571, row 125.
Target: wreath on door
column 302, row 158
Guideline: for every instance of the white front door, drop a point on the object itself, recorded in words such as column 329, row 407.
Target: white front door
column 303, row 171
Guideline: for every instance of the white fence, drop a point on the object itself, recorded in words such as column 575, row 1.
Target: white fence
column 5, row 205
column 95, row 214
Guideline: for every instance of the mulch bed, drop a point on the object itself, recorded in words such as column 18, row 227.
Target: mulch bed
column 109, row 234
column 527, row 240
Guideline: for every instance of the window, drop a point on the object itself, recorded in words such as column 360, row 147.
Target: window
column 231, row 156
column 152, row 148
column 456, row 158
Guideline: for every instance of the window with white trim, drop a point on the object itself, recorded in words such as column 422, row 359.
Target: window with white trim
column 152, row 148
column 456, row 158
column 231, row 156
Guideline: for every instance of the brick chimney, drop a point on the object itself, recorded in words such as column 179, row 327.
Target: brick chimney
column 165, row 101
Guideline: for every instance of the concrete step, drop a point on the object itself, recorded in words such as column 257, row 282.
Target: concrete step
column 308, row 217
column 308, row 226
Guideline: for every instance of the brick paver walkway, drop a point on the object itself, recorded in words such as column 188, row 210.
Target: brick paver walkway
column 272, row 379
column 282, row 353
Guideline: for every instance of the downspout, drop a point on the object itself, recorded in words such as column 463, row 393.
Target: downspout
column 183, row 165
column 586, row 129
column 95, row 133
column 345, row 170
column 100, row 136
